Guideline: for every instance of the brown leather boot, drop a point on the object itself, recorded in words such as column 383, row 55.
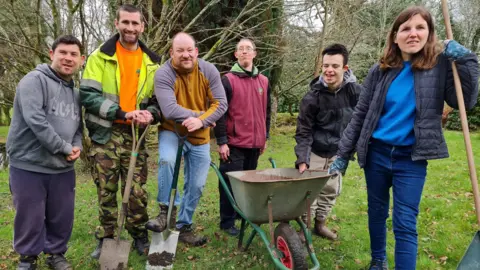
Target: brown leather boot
column 159, row 224
column 321, row 230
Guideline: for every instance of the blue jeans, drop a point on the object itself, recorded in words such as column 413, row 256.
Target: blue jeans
column 392, row 166
column 196, row 165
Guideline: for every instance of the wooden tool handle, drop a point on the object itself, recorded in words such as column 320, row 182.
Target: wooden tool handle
column 463, row 117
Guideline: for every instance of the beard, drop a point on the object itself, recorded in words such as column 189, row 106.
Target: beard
column 129, row 38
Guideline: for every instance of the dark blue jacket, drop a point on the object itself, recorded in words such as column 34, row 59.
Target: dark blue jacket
column 432, row 88
column 323, row 116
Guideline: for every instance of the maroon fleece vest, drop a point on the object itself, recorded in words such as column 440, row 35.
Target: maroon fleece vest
column 247, row 111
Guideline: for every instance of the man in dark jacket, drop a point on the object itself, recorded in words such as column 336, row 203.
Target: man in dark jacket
column 324, row 113
column 44, row 140
column 242, row 133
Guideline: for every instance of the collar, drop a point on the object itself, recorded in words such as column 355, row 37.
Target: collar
column 109, row 48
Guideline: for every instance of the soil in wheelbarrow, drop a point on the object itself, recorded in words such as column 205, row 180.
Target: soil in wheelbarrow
column 160, row 259
column 256, row 177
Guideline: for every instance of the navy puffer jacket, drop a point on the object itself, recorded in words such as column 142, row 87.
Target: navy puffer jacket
column 432, row 88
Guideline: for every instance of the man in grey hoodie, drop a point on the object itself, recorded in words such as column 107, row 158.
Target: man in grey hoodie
column 44, row 140
column 324, row 113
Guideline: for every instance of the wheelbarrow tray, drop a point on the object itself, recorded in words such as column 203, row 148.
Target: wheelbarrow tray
column 471, row 258
column 286, row 187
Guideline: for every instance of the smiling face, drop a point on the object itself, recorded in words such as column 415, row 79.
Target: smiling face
column 183, row 52
column 130, row 26
column 66, row 60
column 412, row 36
column 333, row 70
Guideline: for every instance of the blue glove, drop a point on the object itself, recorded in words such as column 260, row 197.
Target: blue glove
column 454, row 50
column 338, row 166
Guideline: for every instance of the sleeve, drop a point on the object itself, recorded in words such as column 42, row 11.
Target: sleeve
column 303, row 134
column 165, row 94
column 216, row 97
column 91, row 95
column 77, row 138
column 350, row 135
column 154, row 109
column 269, row 110
column 31, row 103
column 467, row 67
column 221, row 125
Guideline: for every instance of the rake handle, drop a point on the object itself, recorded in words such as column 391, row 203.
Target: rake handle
column 463, row 117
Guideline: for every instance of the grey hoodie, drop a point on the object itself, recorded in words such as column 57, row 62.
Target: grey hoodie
column 46, row 123
column 348, row 77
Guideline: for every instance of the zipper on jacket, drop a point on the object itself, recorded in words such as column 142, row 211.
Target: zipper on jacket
column 414, row 147
column 143, row 85
column 386, row 86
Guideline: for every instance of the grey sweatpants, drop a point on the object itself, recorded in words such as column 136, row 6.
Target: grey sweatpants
column 323, row 204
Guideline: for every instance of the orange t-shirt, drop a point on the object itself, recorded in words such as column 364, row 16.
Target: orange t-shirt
column 130, row 63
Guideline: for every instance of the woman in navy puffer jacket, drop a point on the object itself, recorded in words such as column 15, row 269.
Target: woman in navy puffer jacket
column 396, row 127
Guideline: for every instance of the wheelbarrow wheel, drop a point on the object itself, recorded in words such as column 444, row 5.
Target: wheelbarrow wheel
column 288, row 242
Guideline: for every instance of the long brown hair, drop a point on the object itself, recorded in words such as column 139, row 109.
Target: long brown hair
column 426, row 58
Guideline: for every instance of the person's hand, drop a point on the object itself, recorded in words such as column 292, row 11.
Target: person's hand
column 137, row 117
column 75, row 154
column 302, row 167
column 145, row 119
column 140, row 117
column 147, row 116
column 262, row 150
column 192, row 124
column 454, row 50
column 224, row 152
column 338, row 166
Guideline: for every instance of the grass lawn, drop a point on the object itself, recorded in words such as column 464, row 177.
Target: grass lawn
column 3, row 133
column 447, row 220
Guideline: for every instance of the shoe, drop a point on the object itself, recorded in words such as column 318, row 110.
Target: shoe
column 98, row 249
column 232, row 231
column 159, row 224
column 58, row 262
column 378, row 265
column 27, row 263
column 187, row 236
column 141, row 245
column 321, row 230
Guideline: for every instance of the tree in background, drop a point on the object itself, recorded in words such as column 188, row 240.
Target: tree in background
column 28, row 27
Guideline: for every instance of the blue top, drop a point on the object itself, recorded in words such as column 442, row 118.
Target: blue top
column 396, row 123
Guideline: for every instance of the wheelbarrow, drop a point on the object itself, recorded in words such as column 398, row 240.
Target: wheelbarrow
column 276, row 195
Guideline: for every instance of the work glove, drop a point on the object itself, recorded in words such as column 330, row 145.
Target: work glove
column 453, row 50
column 338, row 166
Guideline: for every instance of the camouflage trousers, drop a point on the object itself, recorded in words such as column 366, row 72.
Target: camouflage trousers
column 111, row 161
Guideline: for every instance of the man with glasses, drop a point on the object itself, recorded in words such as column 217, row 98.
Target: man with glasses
column 243, row 131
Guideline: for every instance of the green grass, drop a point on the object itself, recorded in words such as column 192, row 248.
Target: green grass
column 3, row 133
column 447, row 220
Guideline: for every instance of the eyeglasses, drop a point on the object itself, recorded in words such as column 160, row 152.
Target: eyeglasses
column 245, row 49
